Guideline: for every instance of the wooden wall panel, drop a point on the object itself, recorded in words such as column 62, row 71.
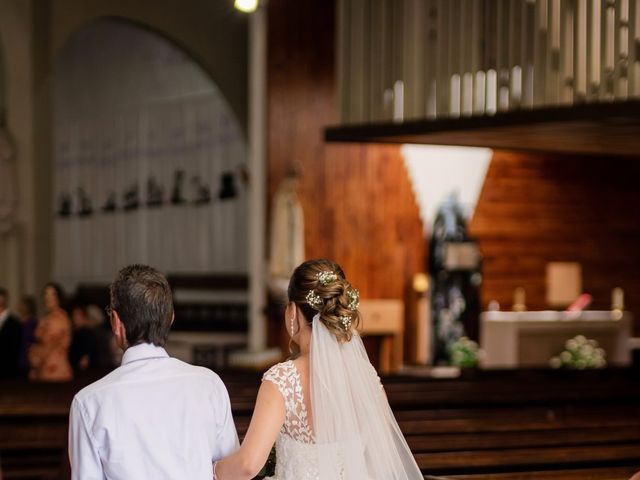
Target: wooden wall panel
column 534, row 209
column 360, row 209
column 358, row 201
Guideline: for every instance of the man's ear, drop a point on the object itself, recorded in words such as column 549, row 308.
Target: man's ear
column 117, row 327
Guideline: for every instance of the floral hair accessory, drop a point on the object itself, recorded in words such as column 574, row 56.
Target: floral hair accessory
column 326, row 277
column 346, row 321
column 354, row 299
column 314, row 300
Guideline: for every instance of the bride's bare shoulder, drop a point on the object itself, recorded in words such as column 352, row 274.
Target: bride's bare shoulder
column 302, row 364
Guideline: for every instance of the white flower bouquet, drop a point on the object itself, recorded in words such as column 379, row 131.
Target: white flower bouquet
column 580, row 353
column 464, row 353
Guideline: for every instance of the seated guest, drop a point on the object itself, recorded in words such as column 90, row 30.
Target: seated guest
column 29, row 320
column 49, row 355
column 10, row 339
column 90, row 347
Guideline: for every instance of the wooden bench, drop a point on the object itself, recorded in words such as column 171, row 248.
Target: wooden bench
column 493, row 426
column 576, row 423
column 603, row 473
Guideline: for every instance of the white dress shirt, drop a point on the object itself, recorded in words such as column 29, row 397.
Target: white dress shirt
column 154, row 417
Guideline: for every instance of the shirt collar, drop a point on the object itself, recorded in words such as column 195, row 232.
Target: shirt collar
column 143, row 351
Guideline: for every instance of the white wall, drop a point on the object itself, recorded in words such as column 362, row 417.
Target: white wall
column 129, row 106
column 32, row 32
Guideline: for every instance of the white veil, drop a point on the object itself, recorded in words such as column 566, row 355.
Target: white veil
column 354, row 426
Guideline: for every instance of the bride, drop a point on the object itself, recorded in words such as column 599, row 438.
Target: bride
column 325, row 408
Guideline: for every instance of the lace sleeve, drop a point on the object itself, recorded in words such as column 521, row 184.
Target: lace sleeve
column 278, row 376
column 285, row 376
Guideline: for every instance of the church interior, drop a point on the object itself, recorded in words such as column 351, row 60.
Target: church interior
column 472, row 165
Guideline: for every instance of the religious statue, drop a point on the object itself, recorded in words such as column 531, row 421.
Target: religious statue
column 64, row 205
column 110, row 204
column 131, row 198
column 455, row 268
column 203, row 194
column 287, row 235
column 228, row 186
column 85, row 208
column 155, row 193
column 177, row 197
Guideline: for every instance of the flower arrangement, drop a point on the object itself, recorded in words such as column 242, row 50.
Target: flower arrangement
column 580, row 353
column 464, row 353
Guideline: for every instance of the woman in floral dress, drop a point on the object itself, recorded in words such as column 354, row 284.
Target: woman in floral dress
column 49, row 355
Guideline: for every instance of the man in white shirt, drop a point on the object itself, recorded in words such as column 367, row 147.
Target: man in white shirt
column 154, row 417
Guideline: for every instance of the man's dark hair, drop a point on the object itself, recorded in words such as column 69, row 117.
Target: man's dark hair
column 142, row 297
column 60, row 293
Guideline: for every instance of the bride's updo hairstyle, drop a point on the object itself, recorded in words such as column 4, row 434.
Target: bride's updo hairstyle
column 320, row 287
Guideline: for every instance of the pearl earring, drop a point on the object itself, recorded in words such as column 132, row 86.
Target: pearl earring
column 292, row 326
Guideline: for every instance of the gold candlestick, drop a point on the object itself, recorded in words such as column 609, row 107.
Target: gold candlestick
column 617, row 303
column 519, row 300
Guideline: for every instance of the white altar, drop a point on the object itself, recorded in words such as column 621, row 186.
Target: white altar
column 529, row 339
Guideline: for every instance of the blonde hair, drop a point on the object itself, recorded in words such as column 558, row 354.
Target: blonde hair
column 332, row 296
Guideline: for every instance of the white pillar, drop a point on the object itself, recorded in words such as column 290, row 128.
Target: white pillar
column 257, row 175
column 25, row 252
column 257, row 355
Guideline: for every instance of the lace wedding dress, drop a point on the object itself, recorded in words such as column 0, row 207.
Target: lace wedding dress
column 296, row 455
column 355, row 435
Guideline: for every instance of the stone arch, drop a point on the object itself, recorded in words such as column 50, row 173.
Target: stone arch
column 210, row 32
column 142, row 132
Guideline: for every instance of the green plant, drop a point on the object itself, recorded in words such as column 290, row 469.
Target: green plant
column 464, row 353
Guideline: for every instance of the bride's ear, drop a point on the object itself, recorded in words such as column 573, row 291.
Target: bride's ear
column 301, row 320
column 290, row 310
column 291, row 317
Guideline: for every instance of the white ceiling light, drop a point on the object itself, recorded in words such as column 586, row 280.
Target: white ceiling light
column 246, row 6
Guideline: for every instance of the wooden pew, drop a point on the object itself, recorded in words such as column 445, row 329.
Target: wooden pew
column 33, row 427
column 467, row 444
column 528, row 458
column 531, row 422
column 575, row 424
column 606, row 473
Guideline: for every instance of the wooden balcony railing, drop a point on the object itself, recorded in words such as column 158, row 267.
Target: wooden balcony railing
column 432, row 59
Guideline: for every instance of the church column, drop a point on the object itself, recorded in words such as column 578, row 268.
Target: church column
column 25, row 258
column 257, row 161
column 42, row 180
column 257, row 355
